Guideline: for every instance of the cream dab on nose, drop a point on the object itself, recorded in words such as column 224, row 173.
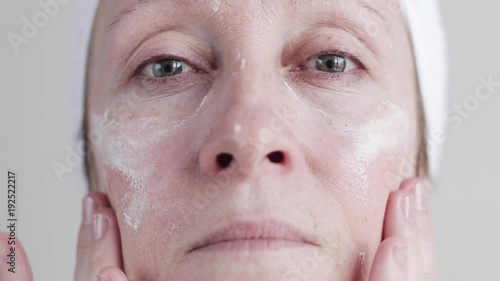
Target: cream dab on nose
column 242, row 63
column 216, row 6
column 237, row 128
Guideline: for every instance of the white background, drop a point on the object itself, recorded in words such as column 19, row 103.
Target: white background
column 34, row 118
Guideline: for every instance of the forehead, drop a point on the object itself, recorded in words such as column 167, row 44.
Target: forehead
column 215, row 5
column 117, row 11
column 229, row 19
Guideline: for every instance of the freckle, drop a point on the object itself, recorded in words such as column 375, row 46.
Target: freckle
column 156, row 112
column 361, row 258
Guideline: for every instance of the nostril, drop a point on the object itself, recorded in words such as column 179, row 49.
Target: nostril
column 224, row 160
column 276, row 157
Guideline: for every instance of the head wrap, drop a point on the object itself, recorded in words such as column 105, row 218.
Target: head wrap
column 423, row 20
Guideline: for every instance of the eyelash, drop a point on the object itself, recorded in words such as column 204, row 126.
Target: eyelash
column 172, row 80
column 155, row 58
column 197, row 70
column 337, row 52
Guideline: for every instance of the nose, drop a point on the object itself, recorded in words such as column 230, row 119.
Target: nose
column 252, row 134
column 246, row 153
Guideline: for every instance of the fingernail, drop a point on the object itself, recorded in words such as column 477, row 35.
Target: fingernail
column 103, row 276
column 100, row 226
column 400, row 254
column 421, row 195
column 89, row 207
column 406, row 206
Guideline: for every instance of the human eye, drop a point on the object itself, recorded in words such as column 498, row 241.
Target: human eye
column 164, row 68
column 332, row 63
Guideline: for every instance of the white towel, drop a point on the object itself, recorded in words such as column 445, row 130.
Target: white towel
column 423, row 21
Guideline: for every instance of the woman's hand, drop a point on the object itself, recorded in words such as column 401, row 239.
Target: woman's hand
column 99, row 254
column 99, row 251
column 407, row 252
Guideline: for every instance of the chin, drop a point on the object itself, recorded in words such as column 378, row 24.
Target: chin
column 286, row 264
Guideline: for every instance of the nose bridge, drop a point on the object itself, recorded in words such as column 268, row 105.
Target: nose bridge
column 251, row 132
column 251, row 97
column 252, row 92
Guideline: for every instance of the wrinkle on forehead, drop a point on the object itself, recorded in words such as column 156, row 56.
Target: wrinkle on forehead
column 142, row 19
column 202, row 4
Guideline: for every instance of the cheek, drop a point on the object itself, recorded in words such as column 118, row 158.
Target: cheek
column 142, row 169
column 362, row 158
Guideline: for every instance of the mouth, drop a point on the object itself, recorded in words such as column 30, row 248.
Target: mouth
column 254, row 236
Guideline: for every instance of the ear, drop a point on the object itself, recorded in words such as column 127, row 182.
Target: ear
column 90, row 171
column 422, row 167
column 95, row 172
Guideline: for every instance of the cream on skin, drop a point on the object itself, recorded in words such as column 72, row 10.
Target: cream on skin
column 338, row 133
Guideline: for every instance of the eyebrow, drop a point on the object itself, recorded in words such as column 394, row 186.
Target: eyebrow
column 190, row 4
column 137, row 4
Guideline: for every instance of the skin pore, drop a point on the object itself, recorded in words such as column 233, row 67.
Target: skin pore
column 244, row 133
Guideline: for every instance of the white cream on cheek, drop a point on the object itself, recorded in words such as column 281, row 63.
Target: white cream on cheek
column 131, row 145
column 372, row 141
column 128, row 147
column 369, row 139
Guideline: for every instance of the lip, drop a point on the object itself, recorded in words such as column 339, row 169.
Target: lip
column 254, row 236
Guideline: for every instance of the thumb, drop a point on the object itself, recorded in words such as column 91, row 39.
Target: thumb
column 111, row 274
column 390, row 263
column 99, row 243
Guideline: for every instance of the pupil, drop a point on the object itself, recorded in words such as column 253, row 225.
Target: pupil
column 167, row 68
column 329, row 63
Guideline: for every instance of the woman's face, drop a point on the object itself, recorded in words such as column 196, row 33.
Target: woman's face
column 250, row 140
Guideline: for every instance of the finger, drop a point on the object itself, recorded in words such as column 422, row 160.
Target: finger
column 91, row 203
column 391, row 261
column 111, row 274
column 401, row 222
column 101, row 199
column 99, row 241
column 107, row 249
column 14, row 265
column 423, row 224
column 399, row 214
